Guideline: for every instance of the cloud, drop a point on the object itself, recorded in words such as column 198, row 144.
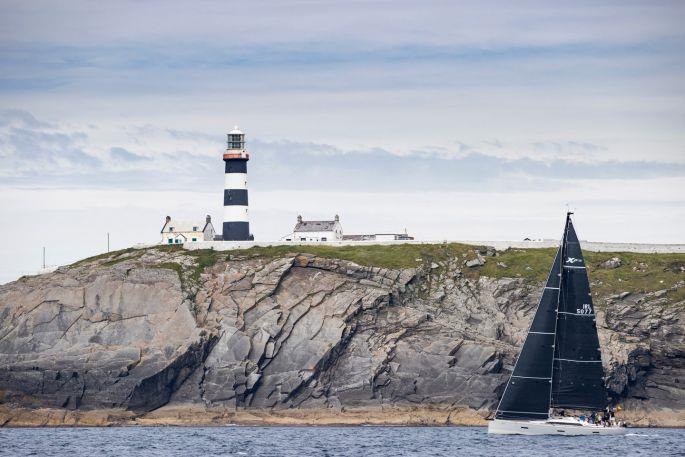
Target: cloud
column 430, row 22
column 470, row 109
column 21, row 118
column 36, row 152
column 124, row 155
column 29, row 147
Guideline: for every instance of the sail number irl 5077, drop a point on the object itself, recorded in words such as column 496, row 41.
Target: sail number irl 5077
column 586, row 309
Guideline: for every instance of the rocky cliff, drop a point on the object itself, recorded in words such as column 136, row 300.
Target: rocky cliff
column 171, row 336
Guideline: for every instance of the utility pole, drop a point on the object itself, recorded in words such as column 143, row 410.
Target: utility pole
column 43, row 257
column 107, row 241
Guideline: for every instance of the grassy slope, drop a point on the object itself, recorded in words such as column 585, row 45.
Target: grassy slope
column 638, row 272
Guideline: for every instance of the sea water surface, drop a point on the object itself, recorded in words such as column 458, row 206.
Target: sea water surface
column 326, row 441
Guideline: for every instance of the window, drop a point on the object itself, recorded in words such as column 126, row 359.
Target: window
column 193, row 239
column 171, row 241
column 194, row 230
column 288, row 239
column 324, row 239
column 171, row 229
column 303, row 239
column 178, row 241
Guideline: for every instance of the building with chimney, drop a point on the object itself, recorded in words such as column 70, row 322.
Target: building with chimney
column 316, row 230
column 179, row 232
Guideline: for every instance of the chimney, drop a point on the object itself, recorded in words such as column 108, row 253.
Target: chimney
column 299, row 219
column 337, row 218
column 168, row 219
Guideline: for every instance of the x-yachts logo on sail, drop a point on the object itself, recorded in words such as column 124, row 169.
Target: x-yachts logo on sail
column 572, row 260
column 586, row 309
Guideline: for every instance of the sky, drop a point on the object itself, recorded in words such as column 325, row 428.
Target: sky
column 454, row 120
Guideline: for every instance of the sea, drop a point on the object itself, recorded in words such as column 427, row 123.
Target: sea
column 358, row 441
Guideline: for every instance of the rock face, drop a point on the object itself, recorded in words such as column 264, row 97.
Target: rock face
column 140, row 330
column 97, row 340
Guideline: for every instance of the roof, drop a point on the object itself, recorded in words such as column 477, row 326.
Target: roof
column 184, row 226
column 236, row 131
column 315, row 226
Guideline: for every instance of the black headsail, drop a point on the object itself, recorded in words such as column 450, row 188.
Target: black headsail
column 578, row 374
column 527, row 394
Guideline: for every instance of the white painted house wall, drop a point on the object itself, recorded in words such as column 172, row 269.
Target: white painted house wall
column 179, row 232
column 315, row 230
column 333, row 235
column 182, row 237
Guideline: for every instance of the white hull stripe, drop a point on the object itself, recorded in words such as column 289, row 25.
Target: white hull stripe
column 530, row 377
column 543, row 333
column 576, row 314
column 552, row 288
column 571, row 266
column 579, row 361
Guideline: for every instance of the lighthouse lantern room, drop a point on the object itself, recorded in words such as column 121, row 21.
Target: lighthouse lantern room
column 236, row 226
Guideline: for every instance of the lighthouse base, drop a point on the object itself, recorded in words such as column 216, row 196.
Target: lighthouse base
column 236, row 231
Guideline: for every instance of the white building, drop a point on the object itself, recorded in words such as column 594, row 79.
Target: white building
column 379, row 237
column 179, row 232
column 316, row 230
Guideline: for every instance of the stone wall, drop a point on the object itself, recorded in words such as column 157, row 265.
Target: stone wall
column 501, row 245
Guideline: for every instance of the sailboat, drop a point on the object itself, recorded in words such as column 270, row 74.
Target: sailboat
column 560, row 364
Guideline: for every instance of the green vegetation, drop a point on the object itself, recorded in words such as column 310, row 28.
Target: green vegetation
column 189, row 276
column 121, row 258
column 177, row 267
column 204, row 258
column 112, row 256
column 532, row 264
column 638, row 273
column 385, row 256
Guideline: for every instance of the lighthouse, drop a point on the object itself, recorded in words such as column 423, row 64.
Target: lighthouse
column 236, row 226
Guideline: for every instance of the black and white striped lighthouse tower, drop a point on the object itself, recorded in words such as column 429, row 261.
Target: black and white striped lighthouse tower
column 236, row 225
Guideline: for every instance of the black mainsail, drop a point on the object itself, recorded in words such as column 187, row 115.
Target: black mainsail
column 560, row 363
column 578, row 378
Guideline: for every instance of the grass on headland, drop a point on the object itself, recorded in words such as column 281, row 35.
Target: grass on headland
column 384, row 256
column 638, row 273
column 113, row 256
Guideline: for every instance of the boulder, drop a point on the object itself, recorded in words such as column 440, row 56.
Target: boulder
column 614, row 262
